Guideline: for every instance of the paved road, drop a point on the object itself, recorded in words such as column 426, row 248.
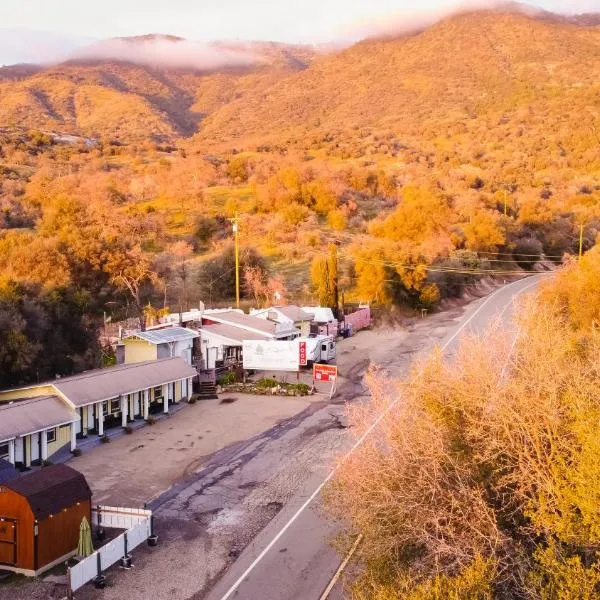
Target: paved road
column 291, row 558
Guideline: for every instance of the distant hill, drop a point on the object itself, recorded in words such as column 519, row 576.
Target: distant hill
column 108, row 90
column 527, row 69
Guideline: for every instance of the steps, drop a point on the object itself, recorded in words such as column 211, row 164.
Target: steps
column 207, row 391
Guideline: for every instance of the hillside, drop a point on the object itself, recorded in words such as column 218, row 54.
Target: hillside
column 101, row 95
column 467, row 68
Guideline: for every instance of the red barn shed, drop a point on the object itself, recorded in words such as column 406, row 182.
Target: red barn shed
column 40, row 516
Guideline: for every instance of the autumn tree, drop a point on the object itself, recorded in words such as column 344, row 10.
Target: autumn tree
column 131, row 271
column 324, row 277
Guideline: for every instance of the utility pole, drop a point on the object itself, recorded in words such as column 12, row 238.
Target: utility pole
column 236, row 230
column 580, row 242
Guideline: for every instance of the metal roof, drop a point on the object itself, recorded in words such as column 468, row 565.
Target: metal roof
column 51, row 489
column 164, row 336
column 33, row 414
column 320, row 314
column 247, row 322
column 235, row 334
column 103, row 384
column 293, row 313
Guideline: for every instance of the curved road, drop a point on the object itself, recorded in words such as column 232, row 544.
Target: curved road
column 291, row 558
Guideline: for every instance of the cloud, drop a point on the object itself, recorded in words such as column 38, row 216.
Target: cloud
column 170, row 52
column 412, row 20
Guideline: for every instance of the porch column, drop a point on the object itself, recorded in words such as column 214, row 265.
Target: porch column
column 165, row 391
column 100, row 414
column 84, row 421
column 44, row 438
column 146, row 404
column 124, row 410
column 190, row 387
column 11, row 452
column 175, row 399
column 27, row 448
column 73, row 436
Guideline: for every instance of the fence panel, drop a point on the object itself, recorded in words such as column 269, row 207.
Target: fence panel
column 83, row 571
column 112, row 552
column 138, row 535
column 115, row 517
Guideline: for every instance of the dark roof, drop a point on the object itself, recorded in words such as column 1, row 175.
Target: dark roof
column 7, row 471
column 51, row 489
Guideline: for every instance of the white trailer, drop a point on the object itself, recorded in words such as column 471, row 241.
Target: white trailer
column 320, row 348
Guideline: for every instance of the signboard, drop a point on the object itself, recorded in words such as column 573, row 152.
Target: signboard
column 324, row 372
column 270, row 355
column 302, row 351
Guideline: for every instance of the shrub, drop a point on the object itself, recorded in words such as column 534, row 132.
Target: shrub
column 301, row 389
column 76, row 452
column 151, row 420
column 266, row 383
column 228, row 378
column 129, row 429
column 337, row 220
column 105, row 439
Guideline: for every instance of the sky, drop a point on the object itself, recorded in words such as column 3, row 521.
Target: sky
column 52, row 27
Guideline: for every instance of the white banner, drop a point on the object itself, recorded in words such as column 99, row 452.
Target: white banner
column 271, row 355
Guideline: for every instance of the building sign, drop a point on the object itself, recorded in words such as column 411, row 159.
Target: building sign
column 302, row 351
column 324, row 372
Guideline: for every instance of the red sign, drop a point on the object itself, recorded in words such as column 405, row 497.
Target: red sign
column 303, row 360
column 324, row 372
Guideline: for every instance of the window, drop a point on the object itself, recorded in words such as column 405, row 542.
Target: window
column 3, row 450
column 51, row 435
column 158, row 392
column 115, row 405
column 105, row 408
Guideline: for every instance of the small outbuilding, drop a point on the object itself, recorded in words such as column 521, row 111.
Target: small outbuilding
column 40, row 516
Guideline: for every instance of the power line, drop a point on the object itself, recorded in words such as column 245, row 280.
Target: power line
column 439, row 268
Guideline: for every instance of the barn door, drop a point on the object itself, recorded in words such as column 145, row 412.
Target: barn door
column 8, row 541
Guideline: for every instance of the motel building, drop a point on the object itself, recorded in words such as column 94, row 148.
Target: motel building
column 38, row 420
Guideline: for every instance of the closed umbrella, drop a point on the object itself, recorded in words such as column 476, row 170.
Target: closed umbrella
column 85, row 547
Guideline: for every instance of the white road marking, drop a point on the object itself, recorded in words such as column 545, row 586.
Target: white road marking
column 341, row 568
column 358, row 443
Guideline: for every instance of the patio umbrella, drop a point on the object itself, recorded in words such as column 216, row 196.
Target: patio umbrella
column 85, row 547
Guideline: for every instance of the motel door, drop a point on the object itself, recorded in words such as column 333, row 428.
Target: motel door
column 8, row 541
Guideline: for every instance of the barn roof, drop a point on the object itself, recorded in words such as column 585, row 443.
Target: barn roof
column 23, row 417
column 103, row 384
column 7, row 471
column 51, row 489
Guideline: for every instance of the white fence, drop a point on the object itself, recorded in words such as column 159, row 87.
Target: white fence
column 138, row 523
column 117, row 517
